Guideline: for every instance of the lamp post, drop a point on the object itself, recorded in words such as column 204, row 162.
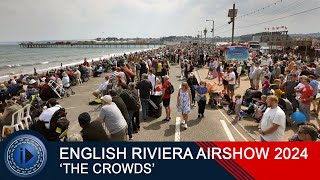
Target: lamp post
column 205, row 35
column 212, row 30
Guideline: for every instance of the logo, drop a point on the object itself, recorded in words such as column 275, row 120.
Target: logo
column 25, row 156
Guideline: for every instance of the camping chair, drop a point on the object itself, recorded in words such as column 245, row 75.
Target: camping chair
column 16, row 123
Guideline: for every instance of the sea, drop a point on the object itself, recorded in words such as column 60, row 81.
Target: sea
column 15, row 60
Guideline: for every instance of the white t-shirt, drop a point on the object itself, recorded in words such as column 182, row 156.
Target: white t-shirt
column 239, row 69
column 47, row 114
column 270, row 117
column 152, row 79
column 298, row 94
column 232, row 75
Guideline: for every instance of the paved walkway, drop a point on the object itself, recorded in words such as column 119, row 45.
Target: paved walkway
column 215, row 126
column 248, row 124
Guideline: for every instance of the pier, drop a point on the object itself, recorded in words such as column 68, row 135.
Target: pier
column 90, row 44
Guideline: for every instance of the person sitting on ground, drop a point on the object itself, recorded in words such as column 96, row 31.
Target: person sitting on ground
column 47, row 114
column 6, row 117
column 113, row 119
column 306, row 132
column 91, row 130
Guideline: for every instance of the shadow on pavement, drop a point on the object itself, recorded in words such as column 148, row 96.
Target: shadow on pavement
column 170, row 131
column 194, row 122
column 154, row 126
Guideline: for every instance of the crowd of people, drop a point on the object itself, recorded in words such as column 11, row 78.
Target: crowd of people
column 282, row 84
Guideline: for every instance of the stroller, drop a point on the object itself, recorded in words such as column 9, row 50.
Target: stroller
column 249, row 95
column 59, row 125
column 215, row 99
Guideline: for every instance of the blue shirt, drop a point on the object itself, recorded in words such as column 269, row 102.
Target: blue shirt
column 201, row 91
column 314, row 85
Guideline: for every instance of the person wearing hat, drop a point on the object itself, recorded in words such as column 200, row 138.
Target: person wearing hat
column 91, row 130
column 166, row 97
column 111, row 115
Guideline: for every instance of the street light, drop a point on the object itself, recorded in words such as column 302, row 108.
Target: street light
column 212, row 29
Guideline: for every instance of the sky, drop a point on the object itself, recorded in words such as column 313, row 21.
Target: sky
column 33, row 20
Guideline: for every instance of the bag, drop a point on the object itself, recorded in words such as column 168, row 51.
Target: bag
column 58, row 124
column 197, row 98
column 170, row 89
column 135, row 105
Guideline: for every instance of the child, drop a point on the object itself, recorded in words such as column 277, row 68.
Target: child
column 238, row 107
column 259, row 108
column 265, row 85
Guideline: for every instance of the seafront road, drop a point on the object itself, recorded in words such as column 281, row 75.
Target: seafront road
column 215, row 126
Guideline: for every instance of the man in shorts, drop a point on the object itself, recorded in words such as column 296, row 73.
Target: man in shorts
column 166, row 97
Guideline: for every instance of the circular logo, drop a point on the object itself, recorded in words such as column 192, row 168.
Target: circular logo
column 25, row 156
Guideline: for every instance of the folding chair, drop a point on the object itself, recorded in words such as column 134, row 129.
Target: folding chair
column 53, row 85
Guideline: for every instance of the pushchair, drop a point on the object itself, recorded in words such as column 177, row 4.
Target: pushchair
column 215, row 99
column 249, row 95
column 58, row 129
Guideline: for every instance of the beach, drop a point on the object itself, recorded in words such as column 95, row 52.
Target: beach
column 15, row 60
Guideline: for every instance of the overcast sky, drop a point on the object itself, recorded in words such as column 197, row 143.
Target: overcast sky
column 24, row 20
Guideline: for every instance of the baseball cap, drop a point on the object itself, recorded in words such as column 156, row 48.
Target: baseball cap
column 107, row 99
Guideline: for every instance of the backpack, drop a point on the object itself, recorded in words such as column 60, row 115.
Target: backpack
column 58, row 124
column 134, row 104
column 170, row 89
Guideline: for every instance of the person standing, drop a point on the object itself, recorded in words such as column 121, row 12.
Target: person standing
column 201, row 91
column 220, row 70
column 256, row 74
column 113, row 119
column 184, row 103
column 145, row 88
column 273, row 122
column 166, row 97
column 193, row 84
column 239, row 70
column 136, row 114
column 152, row 79
column 231, row 82
column 315, row 86
column 306, row 98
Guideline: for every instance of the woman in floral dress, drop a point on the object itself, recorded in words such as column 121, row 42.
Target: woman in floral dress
column 184, row 103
